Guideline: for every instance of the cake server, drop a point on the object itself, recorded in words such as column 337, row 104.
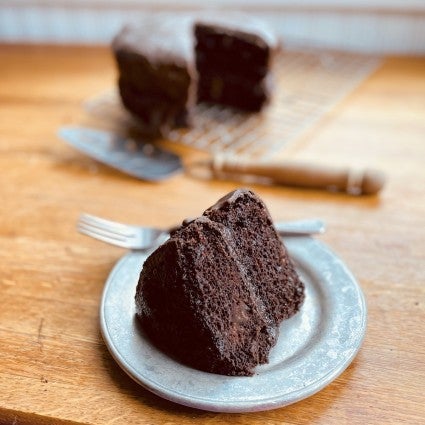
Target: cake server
column 140, row 159
column 149, row 162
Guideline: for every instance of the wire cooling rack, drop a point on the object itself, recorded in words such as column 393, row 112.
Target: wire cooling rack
column 308, row 84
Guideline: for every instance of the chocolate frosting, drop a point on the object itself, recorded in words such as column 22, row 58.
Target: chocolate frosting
column 170, row 38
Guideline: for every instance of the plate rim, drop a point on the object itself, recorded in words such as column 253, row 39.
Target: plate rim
column 242, row 405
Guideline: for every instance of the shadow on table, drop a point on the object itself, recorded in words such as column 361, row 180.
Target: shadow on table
column 304, row 412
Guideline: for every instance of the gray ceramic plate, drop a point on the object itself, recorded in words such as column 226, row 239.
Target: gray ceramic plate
column 314, row 347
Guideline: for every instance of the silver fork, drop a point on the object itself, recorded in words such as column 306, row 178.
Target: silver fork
column 142, row 238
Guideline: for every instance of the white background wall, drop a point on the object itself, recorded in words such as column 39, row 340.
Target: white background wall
column 378, row 26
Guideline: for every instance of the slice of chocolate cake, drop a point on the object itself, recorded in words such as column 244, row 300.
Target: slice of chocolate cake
column 214, row 294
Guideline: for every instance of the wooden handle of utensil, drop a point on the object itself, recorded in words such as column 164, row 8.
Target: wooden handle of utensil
column 366, row 182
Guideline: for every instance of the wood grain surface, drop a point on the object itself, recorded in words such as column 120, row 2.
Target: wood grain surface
column 54, row 367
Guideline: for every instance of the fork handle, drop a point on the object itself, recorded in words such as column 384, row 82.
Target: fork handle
column 366, row 182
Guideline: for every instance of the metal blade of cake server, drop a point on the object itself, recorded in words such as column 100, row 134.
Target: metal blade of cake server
column 143, row 160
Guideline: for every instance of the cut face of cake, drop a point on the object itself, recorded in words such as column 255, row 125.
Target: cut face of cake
column 214, row 294
column 233, row 63
column 166, row 65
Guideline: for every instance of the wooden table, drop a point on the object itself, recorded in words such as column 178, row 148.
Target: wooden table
column 54, row 366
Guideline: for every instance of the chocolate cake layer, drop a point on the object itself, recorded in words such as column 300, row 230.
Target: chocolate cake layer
column 157, row 114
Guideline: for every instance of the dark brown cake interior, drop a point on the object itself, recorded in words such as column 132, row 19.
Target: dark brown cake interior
column 206, row 299
column 232, row 66
column 252, row 227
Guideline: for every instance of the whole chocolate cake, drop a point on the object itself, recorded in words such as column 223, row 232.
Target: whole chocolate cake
column 214, row 294
column 166, row 65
